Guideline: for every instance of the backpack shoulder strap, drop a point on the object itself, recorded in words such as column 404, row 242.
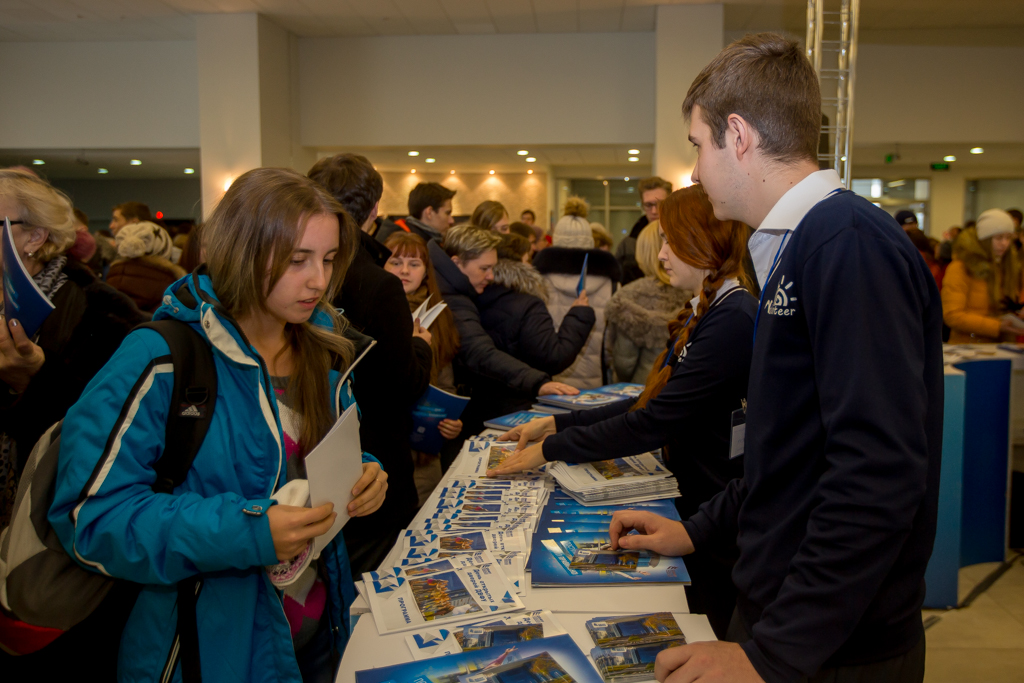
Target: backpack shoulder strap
column 192, row 401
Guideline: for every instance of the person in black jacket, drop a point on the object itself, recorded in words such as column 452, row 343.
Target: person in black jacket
column 652, row 192
column 695, row 385
column 394, row 374
column 514, row 313
column 41, row 378
column 430, row 214
column 835, row 515
column 464, row 268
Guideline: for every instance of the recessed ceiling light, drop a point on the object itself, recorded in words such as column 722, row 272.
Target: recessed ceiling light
column 634, row 151
column 977, row 150
column 492, row 172
column 453, row 172
column 605, row 182
column 626, row 179
column 101, row 170
column 414, row 153
column 189, row 171
column 530, row 160
column 135, row 162
column 949, row 157
column 430, row 160
column 412, row 171
column 530, row 172
column 634, row 158
column 522, row 152
column 38, row 162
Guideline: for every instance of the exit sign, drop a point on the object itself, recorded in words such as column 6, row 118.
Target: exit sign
column 940, row 167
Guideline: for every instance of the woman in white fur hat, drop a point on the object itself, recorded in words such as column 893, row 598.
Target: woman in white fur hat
column 561, row 265
column 144, row 269
column 981, row 290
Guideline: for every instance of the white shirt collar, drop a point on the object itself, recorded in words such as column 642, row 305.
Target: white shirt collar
column 727, row 286
column 768, row 240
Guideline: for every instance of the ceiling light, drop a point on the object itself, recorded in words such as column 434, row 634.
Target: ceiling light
column 135, row 162
column 634, row 158
column 189, row 171
column 530, row 172
column 634, row 151
column 430, row 160
column 101, row 170
column 453, row 172
column 530, row 160
column 38, row 162
column 605, row 182
column 949, row 157
column 492, row 171
column 522, row 152
column 227, row 183
column 414, row 153
column 626, row 179
column 842, row 158
column 412, row 171
column 977, row 150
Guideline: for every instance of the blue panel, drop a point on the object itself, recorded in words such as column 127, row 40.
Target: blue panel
column 943, row 568
column 986, row 453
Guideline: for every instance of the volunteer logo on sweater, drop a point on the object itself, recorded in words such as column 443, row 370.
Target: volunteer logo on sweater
column 782, row 302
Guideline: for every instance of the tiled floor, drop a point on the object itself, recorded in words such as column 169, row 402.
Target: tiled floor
column 983, row 642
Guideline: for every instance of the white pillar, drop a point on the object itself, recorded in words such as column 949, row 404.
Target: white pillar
column 687, row 37
column 247, row 100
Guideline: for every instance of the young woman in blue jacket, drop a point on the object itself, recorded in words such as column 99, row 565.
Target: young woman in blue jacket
column 696, row 384
column 275, row 255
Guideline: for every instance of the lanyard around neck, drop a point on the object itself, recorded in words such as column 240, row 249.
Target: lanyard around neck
column 760, row 300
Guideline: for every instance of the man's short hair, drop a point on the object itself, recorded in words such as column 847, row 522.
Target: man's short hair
column 653, row 183
column 528, row 211
column 523, row 230
column 352, row 180
column 136, row 210
column 513, row 247
column 424, row 195
column 81, row 217
column 766, row 79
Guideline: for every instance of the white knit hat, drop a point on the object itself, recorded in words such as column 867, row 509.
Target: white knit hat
column 994, row 222
column 143, row 239
column 573, row 229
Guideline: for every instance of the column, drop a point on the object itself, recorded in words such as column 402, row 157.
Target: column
column 687, row 37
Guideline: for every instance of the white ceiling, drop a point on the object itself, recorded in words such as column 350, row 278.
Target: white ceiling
column 947, row 21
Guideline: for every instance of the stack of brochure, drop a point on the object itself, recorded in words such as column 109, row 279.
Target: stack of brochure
column 622, row 480
column 594, row 398
column 627, row 646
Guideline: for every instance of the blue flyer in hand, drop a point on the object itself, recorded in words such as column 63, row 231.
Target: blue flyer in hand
column 583, row 276
column 23, row 300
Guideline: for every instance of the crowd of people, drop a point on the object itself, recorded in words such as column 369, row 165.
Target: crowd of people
column 806, row 541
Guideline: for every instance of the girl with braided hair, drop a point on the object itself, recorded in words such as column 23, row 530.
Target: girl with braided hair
column 690, row 394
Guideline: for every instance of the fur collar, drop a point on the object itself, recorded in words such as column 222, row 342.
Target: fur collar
column 520, row 277
column 642, row 310
column 156, row 263
column 570, row 262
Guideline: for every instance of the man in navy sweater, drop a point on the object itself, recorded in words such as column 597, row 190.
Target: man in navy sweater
column 835, row 514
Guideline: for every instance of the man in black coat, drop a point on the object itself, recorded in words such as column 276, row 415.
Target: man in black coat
column 395, row 372
column 430, row 214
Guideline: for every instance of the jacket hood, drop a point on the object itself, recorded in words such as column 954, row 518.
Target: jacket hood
column 520, row 277
column 156, row 263
column 570, row 261
column 450, row 279
column 642, row 310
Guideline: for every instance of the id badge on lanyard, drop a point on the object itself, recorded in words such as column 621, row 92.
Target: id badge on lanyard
column 739, row 432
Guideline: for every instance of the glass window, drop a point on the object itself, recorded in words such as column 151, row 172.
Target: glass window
column 623, row 193
column 590, row 190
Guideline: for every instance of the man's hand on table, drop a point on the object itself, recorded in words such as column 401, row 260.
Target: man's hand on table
column 714, row 662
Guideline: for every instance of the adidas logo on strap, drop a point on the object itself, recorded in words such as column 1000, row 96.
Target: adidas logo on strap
column 191, row 411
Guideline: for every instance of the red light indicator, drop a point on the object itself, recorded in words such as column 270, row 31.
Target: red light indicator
column 159, row 215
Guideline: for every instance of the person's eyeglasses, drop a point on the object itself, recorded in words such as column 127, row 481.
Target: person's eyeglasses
column 650, row 205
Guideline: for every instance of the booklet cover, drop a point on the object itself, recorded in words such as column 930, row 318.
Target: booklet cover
column 494, row 540
column 505, row 631
column 332, row 469
column 23, row 300
column 531, row 661
column 587, row 559
column 507, row 422
column 628, row 664
column 634, row 629
column 432, row 593
column 481, row 456
column 427, row 316
column 435, row 405
column 588, row 398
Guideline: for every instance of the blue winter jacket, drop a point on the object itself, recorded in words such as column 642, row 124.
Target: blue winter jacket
column 213, row 525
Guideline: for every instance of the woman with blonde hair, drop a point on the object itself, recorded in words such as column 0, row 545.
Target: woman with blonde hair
column 638, row 314
column 697, row 382
column 983, row 283
column 269, row 610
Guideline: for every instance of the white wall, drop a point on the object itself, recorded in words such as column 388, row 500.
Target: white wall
column 477, row 90
column 99, row 95
column 919, row 93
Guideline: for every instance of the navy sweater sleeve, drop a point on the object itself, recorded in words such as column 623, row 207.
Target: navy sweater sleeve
column 865, row 326
column 720, row 349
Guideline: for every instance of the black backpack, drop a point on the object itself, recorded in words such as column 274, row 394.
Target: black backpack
column 50, row 598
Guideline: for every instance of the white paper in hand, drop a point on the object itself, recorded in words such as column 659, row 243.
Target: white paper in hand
column 333, row 468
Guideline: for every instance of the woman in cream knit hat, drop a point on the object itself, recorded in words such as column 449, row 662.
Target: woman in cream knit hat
column 144, row 269
column 561, row 265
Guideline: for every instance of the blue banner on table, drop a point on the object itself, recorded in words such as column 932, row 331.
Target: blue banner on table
column 23, row 300
column 435, row 405
column 544, row 659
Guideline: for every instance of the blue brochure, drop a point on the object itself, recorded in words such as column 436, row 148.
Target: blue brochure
column 583, row 276
column 23, row 300
column 543, row 659
column 587, row 559
column 594, row 398
column 514, row 419
column 435, row 405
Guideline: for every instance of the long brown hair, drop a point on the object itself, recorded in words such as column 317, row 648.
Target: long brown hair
column 702, row 241
column 258, row 222
column 444, row 338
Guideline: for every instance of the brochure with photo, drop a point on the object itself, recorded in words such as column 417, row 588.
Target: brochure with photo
column 435, row 405
column 507, row 422
column 532, row 661
column 514, row 628
column 587, row 559
column 634, row 629
column 629, row 664
column 494, row 540
column 24, row 301
column 481, row 456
